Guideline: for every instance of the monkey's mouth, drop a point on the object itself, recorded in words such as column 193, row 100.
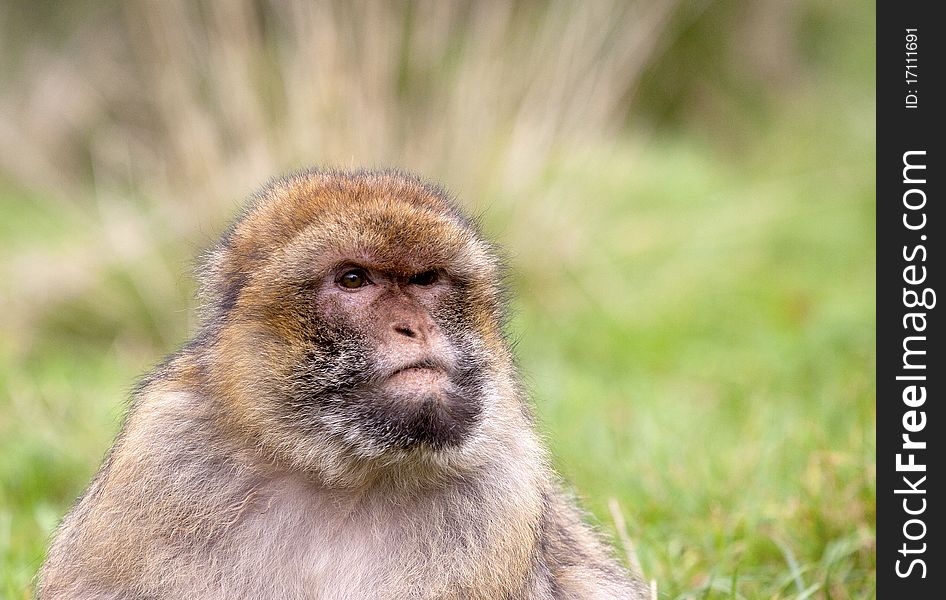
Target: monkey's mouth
column 429, row 402
column 419, row 378
column 427, row 364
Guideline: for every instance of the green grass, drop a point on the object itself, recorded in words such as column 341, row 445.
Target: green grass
column 696, row 329
column 708, row 360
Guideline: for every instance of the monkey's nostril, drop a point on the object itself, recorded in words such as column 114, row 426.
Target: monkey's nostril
column 405, row 330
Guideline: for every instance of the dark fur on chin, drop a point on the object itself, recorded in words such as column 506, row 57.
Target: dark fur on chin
column 345, row 396
column 403, row 423
column 352, row 401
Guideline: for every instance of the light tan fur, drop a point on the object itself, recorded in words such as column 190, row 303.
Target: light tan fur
column 212, row 491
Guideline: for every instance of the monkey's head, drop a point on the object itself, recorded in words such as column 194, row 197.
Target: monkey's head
column 356, row 323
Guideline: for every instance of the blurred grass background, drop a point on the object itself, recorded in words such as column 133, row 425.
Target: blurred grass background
column 685, row 190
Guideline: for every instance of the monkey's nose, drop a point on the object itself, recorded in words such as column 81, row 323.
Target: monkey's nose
column 406, row 330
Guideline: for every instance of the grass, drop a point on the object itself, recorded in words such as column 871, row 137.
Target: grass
column 708, row 360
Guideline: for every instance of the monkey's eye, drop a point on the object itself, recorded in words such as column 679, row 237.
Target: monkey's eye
column 425, row 278
column 353, row 279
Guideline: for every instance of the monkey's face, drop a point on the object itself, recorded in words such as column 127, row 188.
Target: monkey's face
column 390, row 362
column 368, row 325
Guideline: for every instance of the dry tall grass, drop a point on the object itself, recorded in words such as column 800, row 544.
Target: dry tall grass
column 150, row 121
column 197, row 102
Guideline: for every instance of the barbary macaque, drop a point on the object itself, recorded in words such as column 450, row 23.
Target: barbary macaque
column 348, row 422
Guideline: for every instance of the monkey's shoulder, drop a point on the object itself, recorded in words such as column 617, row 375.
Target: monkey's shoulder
column 573, row 556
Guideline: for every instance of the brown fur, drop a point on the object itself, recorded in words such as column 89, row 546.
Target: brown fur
column 216, row 489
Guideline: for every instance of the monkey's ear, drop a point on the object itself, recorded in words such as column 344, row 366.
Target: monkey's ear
column 220, row 282
column 224, row 269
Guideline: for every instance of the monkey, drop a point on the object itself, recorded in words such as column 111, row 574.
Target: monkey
column 348, row 422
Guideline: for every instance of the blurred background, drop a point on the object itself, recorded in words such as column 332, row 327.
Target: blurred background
column 685, row 190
